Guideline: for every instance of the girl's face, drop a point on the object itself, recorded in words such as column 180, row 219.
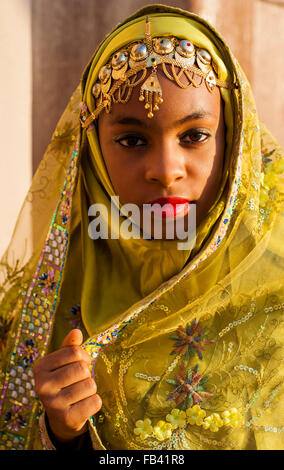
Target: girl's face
column 177, row 153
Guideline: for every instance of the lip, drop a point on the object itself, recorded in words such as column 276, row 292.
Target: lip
column 174, row 206
column 174, row 200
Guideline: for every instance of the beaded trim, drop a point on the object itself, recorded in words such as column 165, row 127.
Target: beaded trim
column 18, row 401
column 43, row 434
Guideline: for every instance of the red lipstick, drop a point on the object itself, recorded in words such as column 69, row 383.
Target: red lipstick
column 170, row 206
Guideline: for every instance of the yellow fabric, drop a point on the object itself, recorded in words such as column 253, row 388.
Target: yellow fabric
column 232, row 285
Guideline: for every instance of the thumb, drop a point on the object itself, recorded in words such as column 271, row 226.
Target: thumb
column 74, row 338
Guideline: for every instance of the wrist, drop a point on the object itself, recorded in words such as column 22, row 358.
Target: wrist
column 60, row 436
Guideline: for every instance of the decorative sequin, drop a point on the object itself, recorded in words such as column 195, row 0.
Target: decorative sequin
column 235, row 323
column 149, row 378
column 251, row 205
column 274, row 308
column 183, row 439
column 107, row 362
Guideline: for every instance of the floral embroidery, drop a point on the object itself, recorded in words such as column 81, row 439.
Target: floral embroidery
column 177, row 418
column 213, row 422
column 28, row 351
column 15, row 419
column 189, row 388
column 76, row 312
column 162, row 430
column 63, row 138
column 190, row 340
column 189, row 391
column 143, row 428
column 47, row 282
column 231, row 418
column 195, row 415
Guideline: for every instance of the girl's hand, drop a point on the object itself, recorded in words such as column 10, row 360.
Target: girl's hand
column 64, row 385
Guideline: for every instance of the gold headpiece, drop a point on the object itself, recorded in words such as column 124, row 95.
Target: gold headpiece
column 128, row 67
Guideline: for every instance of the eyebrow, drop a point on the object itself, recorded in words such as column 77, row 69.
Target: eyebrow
column 130, row 120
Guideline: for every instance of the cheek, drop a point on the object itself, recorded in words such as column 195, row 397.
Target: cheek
column 211, row 183
column 124, row 171
column 116, row 170
column 205, row 167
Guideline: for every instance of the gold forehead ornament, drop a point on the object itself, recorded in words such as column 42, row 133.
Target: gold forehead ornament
column 127, row 68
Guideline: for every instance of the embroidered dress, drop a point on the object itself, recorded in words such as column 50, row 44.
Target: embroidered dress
column 187, row 346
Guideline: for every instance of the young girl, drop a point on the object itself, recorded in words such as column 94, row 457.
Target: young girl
column 146, row 342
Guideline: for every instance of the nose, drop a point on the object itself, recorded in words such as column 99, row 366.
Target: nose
column 165, row 165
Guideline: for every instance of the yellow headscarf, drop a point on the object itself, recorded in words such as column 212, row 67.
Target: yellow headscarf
column 212, row 319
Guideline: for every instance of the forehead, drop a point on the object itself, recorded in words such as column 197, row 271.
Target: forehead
column 177, row 104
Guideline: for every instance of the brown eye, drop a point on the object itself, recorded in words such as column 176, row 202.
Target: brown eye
column 194, row 137
column 131, row 140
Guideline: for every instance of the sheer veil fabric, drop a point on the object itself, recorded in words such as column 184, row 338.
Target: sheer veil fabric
column 187, row 347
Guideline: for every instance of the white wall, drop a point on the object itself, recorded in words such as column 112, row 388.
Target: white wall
column 15, row 112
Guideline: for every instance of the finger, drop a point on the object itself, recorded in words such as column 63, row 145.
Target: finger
column 69, row 374
column 74, row 338
column 84, row 409
column 78, row 391
column 62, row 357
